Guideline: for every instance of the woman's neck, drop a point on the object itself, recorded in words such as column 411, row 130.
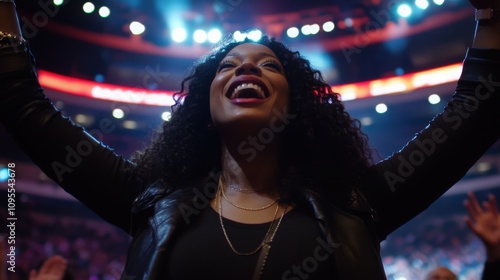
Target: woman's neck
column 259, row 172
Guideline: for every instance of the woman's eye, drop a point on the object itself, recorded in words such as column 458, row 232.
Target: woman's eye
column 224, row 65
column 273, row 65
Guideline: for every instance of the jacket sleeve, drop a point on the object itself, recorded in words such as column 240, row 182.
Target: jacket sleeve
column 407, row 182
column 83, row 166
column 491, row 271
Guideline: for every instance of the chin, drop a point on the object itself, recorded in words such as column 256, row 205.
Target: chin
column 243, row 121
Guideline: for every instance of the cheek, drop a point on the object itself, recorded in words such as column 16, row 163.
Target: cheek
column 217, row 86
column 215, row 97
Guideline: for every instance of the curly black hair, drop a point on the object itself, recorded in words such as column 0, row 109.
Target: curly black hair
column 324, row 147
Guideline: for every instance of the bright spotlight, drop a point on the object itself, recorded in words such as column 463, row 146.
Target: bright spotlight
column 422, row 4
column 214, row 35
column 179, row 35
column 292, row 32
column 314, row 28
column 381, row 108
column 306, row 29
column 88, row 7
column 137, row 28
column 4, row 174
column 255, row 35
column 404, row 10
column 238, row 36
column 438, row 2
column 434, row 99
column 166, row 116
column 118, row 113
column 104, row 12
column 328, row 26
column 58, row 2
column 200, row 36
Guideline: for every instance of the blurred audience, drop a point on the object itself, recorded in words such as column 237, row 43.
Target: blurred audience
column 93, row 249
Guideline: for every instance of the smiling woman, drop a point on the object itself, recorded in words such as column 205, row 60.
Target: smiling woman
column 248, row 87
column 260, row 173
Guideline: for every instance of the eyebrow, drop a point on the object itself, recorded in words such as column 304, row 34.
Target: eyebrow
column 238, row 55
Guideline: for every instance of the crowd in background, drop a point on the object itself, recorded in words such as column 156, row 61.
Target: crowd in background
column 93, row 248
column 417, row 248
column 96, row 250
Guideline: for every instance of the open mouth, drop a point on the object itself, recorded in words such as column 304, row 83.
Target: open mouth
column 247, row 89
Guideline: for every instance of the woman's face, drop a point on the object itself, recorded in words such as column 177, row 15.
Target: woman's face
column 249, row 88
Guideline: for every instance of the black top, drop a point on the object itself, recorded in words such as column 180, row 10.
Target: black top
column 297, row 252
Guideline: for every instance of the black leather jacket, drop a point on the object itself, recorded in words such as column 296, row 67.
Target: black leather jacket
column 392, row 192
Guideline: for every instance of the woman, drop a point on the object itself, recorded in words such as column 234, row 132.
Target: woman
column 260, row 173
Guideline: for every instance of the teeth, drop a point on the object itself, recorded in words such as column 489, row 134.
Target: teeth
column 257, row 88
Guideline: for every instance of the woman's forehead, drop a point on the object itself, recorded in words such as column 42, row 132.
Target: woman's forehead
column 251, row 49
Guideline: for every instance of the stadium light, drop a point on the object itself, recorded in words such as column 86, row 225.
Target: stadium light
column 137, row 28
column 328, row 26
column 118, row 113
column 104, row 12
column 214, row 35
column 404, row 10
column 200, row 36
column 381, row 108
column 88, row 7
column 292, row 32
column 179, row 34
column 255, row 35
column 238, row 36
column 422, row 4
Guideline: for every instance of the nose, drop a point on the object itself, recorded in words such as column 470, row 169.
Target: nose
column 248, row 69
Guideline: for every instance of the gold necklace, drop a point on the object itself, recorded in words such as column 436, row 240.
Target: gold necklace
column 245, row 190
column 219, row 200
column 245, row 208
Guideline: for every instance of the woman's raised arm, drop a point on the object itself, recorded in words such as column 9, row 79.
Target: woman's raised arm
column 69, row 155
column 8, row 18
column 406, row 183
